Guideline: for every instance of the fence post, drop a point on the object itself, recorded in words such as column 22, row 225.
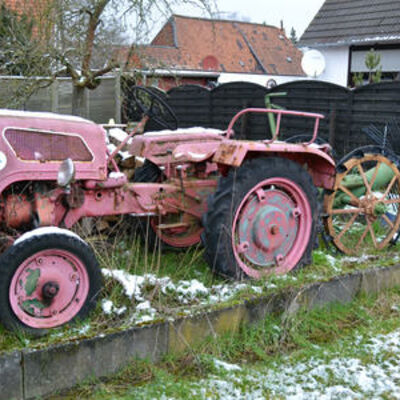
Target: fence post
column 87, row 103
column 332, row 126
column 118, row 97
column 54, row 96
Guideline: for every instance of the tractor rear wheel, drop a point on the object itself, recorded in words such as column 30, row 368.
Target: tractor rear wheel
column 262, row 219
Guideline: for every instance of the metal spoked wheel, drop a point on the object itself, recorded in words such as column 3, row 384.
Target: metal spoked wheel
column 362, row 212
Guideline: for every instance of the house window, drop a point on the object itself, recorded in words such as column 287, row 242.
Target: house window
column 390, row 60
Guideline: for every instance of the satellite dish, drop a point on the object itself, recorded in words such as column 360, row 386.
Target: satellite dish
column 271, row 83
column 313, row 63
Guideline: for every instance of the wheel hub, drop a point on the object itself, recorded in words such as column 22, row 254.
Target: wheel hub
column 50, row 290
column 268, row 226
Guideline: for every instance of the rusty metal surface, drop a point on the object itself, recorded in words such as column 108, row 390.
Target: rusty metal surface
column 159, row 149
column 320, row 164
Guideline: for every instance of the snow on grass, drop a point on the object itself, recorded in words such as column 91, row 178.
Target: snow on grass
column 226, row 366
column 184, row 292
column 132, row 284
column 361, row 259
column 187, row 294
column 109, row 308
column 370, row 370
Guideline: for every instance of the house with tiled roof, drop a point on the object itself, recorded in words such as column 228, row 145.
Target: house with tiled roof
column 345, row 30
column 202, row 49
column 38, row 10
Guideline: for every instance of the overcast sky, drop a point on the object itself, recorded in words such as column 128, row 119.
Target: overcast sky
column 294, row 13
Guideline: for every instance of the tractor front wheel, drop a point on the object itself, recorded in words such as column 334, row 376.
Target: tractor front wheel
column 262, row 219
column 46, row 280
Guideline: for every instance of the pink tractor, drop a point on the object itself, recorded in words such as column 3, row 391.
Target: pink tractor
column 253, row 204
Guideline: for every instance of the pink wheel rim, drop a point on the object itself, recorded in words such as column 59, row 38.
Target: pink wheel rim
column 49, row 288
column 271, row 228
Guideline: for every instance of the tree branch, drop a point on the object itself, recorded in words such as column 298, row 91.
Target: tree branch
column 94, row 19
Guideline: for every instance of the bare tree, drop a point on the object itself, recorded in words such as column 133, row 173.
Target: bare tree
column 85, row 33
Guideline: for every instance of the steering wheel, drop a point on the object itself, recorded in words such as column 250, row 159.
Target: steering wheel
column 150, row 104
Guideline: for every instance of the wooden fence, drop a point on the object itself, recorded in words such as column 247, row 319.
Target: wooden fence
column 346, row 111
column 101, row 104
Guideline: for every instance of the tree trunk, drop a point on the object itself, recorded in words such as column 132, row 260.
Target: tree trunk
column 79, row 101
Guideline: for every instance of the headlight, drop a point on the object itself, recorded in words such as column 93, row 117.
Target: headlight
column 3, row 160
column 66, row 173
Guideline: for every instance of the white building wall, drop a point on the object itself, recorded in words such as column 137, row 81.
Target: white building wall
column 337, row 65
column 257, row 78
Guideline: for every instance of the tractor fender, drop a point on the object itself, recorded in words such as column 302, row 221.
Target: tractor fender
column 195, row 152
column 314, row 158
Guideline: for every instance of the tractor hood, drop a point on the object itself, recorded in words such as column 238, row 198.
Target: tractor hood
column 34, row 144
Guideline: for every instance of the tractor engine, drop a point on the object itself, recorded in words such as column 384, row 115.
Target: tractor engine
column 28, row 205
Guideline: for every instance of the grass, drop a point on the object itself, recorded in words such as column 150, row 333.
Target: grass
column 310, row 335
column 127, row 253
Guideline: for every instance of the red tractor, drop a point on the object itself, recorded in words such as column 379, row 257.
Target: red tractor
column 253, row 203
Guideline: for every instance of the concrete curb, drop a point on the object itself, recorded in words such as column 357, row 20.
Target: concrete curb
column 29, row 374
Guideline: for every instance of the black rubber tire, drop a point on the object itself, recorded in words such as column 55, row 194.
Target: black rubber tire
column 147, row 173
column 228, row 196
column 12, row 258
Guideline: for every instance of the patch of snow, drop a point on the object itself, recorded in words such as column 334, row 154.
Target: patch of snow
column 189, row 290
column 132, row 284
column 125, row 154
column 47, row 230
column 185, row 131
column 116, row 175
column 118, row 134
column 226, row 366
column 109, row 308
column 47, row 115
column 195, row 156
column 144, row 318
column 184, row 292
column 84, row 329
column 360, row 259
column 316, row 378
column 145, row 305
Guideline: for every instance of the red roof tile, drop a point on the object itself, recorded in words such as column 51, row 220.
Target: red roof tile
column 220, row 45
column 39, row 10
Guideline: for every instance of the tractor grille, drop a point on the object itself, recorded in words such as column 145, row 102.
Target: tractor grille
column 40, row 146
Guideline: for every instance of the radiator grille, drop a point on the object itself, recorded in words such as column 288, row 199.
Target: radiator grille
column 40, row 146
